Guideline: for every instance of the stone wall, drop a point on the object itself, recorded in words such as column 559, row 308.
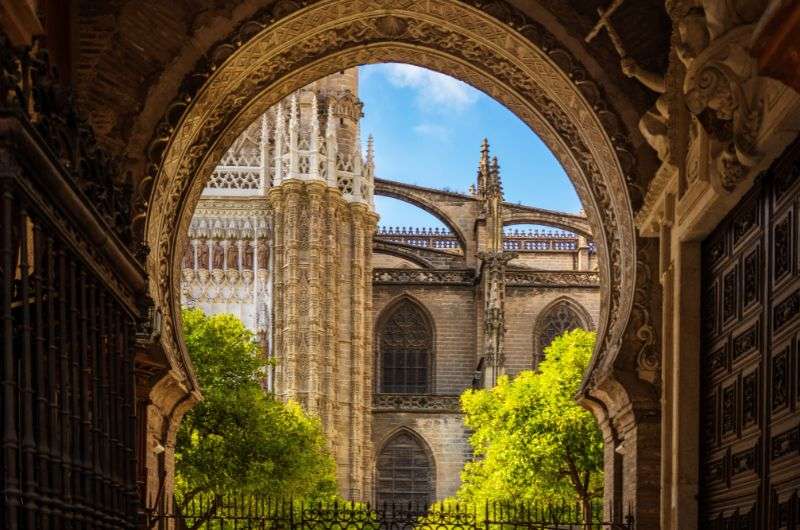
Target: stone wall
column 553, row 261
column 444, row 434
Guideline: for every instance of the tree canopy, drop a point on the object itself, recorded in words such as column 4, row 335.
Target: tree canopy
column 239, row 439
column 534, row 443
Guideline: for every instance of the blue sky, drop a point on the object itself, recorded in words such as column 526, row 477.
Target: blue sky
column 428, row 129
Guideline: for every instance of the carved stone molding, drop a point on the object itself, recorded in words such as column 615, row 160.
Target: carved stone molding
column 552, row 279
column 416, row 403
column 422, row 277
column 512, row 59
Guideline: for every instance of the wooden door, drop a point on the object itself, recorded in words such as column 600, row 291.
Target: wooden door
column 750, row 364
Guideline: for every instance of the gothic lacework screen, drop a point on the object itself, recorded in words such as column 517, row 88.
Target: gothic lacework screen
column 405, row 472
column 404, row 341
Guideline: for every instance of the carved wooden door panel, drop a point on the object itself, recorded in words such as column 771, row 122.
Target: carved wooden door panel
column 750, row 369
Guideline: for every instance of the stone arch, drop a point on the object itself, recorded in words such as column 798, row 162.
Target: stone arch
column 492, row 46
column 501, row 52
column 552, row 219
column 408, row 440
column 562, row 314
column 412, row 308
column 404, row 254
column 402, row 193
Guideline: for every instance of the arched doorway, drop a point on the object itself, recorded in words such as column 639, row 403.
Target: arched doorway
column 501, row 52
column 405, row 471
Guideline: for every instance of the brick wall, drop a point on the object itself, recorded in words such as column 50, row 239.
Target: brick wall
column 551, row 260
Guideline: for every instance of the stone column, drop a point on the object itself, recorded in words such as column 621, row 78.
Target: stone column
column 639, row 431
column 322, row 317
column 583, row 254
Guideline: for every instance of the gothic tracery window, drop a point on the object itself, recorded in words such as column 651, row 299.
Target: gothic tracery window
column 404, row 343
column 405, row 472
column 558, row 319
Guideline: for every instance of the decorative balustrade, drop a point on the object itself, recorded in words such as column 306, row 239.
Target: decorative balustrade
column 281, row 147
column 535, row 240
column 434, row 238
column 513, row 240
column 205, row 512
column 423, row 276
column 415, row 403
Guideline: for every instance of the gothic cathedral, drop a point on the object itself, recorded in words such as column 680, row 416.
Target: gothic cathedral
column 378, row 331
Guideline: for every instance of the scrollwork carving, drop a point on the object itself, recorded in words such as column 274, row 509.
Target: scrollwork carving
column 721, row 89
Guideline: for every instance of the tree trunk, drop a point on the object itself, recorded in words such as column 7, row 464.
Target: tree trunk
column 586, row 505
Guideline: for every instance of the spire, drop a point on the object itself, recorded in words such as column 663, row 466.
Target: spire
column 370, row 151
column 358, row 167
column 494, row 187
column 294, row 130
column 330, row 126
column 370, row 172
column 483, row 168
column 331, row 145
column 264, row 149
column 358, row 162
column 279, row 132
column 314, row 140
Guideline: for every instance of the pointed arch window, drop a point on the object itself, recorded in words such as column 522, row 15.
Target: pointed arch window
column 405, row 340
column 561, row 317
column 405, row 472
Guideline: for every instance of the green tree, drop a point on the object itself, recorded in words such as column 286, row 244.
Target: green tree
column 533, row 442
column 239, row 439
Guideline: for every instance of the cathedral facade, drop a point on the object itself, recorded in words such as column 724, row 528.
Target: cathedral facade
column 377, row 331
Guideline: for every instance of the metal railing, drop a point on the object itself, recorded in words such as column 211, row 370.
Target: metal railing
column 255, row 512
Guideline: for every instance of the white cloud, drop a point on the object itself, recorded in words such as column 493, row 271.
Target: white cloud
column 434, row 90
column 434, row 131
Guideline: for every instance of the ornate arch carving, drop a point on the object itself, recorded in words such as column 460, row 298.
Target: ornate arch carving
column 404, row 348
column 493, row 47
column 560, row 315
column 405, row 450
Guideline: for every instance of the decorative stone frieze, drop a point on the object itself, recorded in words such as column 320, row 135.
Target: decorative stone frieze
column 416, row 403
column 515, row 278
column 423, row 277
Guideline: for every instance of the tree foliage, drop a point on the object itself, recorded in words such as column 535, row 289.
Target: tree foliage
column 240, row 440
column 534, row 443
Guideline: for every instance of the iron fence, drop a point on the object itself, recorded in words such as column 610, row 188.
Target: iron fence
column 253, row 512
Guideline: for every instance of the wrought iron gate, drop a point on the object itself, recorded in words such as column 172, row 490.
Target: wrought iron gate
column 253, row 512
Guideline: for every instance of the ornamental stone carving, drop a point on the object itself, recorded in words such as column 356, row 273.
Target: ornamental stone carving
column 416, row 403
column 557, row 109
